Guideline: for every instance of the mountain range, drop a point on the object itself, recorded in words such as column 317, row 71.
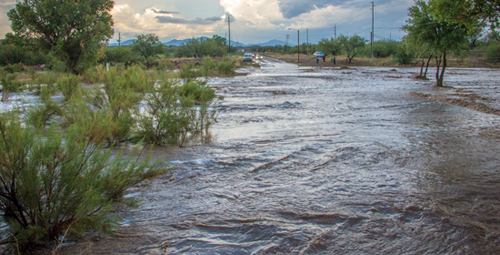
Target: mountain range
column 176, row 42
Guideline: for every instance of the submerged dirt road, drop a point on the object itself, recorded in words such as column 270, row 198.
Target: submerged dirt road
column 327, row 161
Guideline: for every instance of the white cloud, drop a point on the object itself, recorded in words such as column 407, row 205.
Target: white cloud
column 130, row 23
column 4, row 20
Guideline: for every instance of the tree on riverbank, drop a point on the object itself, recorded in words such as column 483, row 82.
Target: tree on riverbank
column 147, row 45
column 467, row 12
column 351, row 45
column 440, row 38
column 73, row 30
column 330, row 46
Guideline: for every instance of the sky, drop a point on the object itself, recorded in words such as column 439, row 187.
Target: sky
column 252, row 21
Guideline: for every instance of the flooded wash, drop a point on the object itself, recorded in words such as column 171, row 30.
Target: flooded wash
column 328, row 161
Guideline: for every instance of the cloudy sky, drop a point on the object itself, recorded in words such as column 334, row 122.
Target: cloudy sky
column 253, row 21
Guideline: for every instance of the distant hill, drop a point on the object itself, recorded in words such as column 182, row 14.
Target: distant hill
column 176, row 42
column 270, row 43
column 125, row 43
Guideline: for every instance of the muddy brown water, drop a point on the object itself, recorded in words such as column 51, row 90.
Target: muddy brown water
column 326, row 161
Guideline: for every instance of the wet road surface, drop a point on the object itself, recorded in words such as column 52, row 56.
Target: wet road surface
column 327, row 161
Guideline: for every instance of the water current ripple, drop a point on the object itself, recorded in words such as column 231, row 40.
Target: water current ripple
column 327, row 161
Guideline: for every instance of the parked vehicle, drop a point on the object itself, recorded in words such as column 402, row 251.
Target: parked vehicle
column 318, row 54
column 247, row 57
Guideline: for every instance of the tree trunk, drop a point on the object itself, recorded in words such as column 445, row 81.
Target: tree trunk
column 427, row 67
column 422, row 68
column 438, row 66
column 441, row 78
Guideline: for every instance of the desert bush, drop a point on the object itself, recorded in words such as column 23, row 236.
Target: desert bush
column 226, row 67
column 493, row 53
column 46, row 80
column 202, row 47
column 9, row 83
column 40, row 115
column 175, row 114
column 53, row 183
column 404, row 55
column 207, row 67
column 68, row 85
column 121, row 95
column 14, row 68
column 188, row 72
column 197, row 98
column 163, row 117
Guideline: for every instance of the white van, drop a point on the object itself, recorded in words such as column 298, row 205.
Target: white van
column 247, row 57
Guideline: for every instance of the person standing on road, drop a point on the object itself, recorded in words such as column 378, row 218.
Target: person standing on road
column 324, row 57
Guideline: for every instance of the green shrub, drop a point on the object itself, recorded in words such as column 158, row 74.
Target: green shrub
column 175, row 114
column 163, row 117
column 14, row 68
column 120, row 95
column 48, row 81
column 226, row 67
column 10, row 84
column 53, row 183
column 404, row 56
column 208, row 66
column 493, row 53
column 188, row 72
column 40, row 115
column 68, row 85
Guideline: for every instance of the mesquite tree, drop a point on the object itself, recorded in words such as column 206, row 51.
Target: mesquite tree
column 74, row 30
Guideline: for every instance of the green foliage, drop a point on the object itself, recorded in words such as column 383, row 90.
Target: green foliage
column 56, row 182
column 383, row 49
column 73, row 30
column 211, row 68
column 174, row 113
column 438, row 37
column 188, row 71
column 226, row 67
column 120, row 96
column 330, row 46
column 9, row 83
column 214, row 47
column 164, row 117
column 493, row 53
column 147, row 45
column 14, row 68
column 68, row 85
column 351, row 45
column 114, row 55
column 43, row 113
column 404, row 55
column 469, row 13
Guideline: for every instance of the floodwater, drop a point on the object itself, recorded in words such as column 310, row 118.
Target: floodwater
column 327, row 161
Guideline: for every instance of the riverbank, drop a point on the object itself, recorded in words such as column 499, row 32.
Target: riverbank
column 470, row 62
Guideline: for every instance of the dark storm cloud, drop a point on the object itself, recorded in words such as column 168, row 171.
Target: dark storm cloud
column 293, row 8
column 164, row 12
column 197, row 21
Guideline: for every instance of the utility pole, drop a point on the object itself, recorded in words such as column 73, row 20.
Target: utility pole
column 287, row 37
column 229, row 29
column 335, row 31
column 373, row 25
column 298, row 44
column 119, row 39
column 298, row 47
column 307, row 44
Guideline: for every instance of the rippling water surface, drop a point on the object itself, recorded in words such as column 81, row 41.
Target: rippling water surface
column 328, row 161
